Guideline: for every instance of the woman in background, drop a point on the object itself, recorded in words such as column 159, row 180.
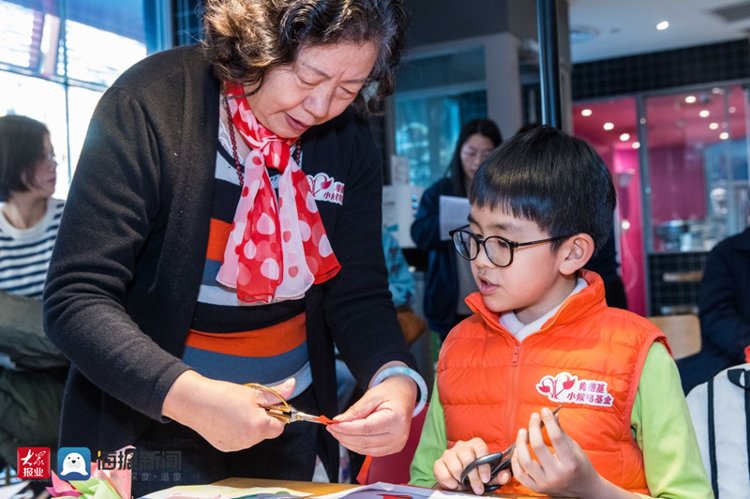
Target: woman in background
column 448, row 280
column 32, row 370
column 30, row 216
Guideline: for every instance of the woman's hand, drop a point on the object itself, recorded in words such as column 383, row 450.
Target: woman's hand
column 378, row 423
column 565, row 472
column 229, row 416
column 448, row 468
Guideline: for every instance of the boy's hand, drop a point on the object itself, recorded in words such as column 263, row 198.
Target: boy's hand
column 566, row 472
column 448, row 468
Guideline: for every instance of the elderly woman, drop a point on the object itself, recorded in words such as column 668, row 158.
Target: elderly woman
column 223, row 228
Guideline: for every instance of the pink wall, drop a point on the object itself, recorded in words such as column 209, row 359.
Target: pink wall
column 626, row 174
column 678, row 184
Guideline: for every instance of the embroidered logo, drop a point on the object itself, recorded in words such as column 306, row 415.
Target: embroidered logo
column 325, row 188
column 566, row 387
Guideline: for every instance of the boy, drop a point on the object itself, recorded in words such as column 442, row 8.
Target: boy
column 542, row 336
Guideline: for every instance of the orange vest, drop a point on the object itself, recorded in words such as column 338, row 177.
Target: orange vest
column 587, row 358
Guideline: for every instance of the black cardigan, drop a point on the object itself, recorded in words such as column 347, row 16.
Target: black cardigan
column 126, row 269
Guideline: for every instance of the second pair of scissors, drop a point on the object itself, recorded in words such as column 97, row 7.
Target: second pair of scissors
column 498, row 462
column 285, row 412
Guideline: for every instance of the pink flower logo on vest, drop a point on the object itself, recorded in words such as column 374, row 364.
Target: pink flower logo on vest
column 567, row 388
column 325, row 188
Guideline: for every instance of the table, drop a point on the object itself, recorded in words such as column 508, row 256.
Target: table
column 309, row 487
column 320, row 488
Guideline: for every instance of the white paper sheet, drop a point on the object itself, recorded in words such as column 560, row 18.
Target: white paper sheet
column 223, row 492
column 377, row 490
column 453, row 213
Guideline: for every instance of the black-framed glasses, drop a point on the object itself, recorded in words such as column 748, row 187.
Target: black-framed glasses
column 48, row 157
column 498, row 249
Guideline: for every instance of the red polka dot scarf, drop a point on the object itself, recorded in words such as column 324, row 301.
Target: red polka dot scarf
column 275, row 251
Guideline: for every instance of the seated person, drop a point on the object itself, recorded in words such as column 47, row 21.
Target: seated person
column 543, row 336
column 32, row 370
column 724, row 312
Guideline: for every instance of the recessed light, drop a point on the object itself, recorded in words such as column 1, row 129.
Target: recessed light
column 690, row 99
column 625, row 224
column 636, row 145
column 724, row 135
column 582, row 33
column 732, row 109
column 713, row 125
column 586, row 112
column 705, row 113
column 662, row 25
column 624, row 137
column 608, row 126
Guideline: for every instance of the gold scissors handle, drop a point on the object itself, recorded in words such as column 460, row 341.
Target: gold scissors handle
column 284, row 411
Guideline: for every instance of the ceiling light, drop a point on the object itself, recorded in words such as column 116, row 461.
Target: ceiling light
column 732, row 109
column 636, row 145
column 690, row 99
column 625, row 224
column 608, row 126
column 705, row 113
column 713, row 126
column 724, row 135
column 624, row 137
column 662, row 25
column 586, row 112
column 582, row 33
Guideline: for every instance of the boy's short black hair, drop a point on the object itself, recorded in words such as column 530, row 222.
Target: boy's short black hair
column 546, row 176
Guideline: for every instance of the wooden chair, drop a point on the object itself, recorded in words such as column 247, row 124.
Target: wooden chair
column 683, row 333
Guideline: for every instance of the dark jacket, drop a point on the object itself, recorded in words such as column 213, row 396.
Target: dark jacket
column 724, row 311
column 441, row 281
column 126, row 269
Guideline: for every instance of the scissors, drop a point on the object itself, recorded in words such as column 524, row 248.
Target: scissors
column 498, row 462
column 285, row 412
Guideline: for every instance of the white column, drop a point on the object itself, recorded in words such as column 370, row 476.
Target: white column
column 503, row 78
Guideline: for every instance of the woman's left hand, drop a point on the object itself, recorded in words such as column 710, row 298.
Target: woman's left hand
column 378, row 423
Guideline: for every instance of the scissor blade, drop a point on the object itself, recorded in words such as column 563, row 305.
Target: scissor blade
column 301, row 416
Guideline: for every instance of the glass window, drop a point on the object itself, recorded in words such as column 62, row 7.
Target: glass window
column 698, row 169
column 56, row 59
column 434, row 97
column 611, row 127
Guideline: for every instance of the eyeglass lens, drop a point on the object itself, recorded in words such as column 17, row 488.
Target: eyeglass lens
column 467, row 245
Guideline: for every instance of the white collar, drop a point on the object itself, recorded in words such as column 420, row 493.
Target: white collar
column 521, row 331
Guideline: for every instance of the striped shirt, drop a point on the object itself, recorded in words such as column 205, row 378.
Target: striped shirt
column 235, row 341
column 25, row 253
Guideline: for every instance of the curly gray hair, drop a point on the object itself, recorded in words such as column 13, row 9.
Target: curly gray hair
column 247, row 38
